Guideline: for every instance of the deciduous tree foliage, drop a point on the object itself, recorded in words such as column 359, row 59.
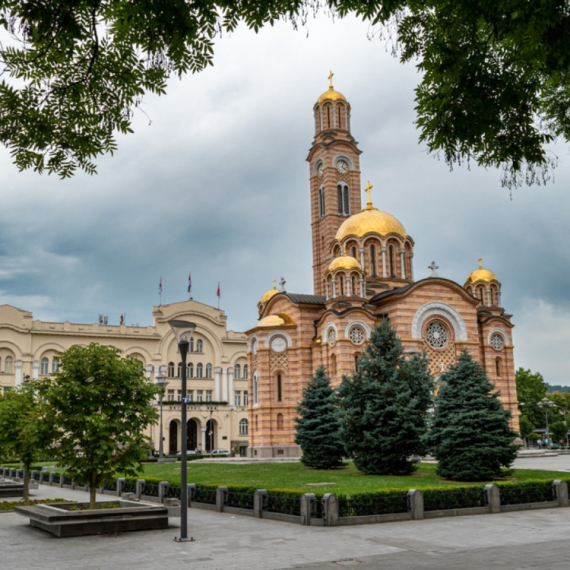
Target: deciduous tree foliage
column 25, row 431
column 317, row 427
column 494, row 82
column 383, row 406
column 470, row 434
column 531, row 388
column 100, row 405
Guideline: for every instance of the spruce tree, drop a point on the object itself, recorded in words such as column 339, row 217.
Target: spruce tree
column 470, row 434
column 383, row 406
column 317, row 425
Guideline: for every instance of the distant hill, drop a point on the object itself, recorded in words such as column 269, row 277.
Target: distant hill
column 556, row 388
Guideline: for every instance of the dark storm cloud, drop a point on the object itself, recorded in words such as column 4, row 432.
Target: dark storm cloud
column 218, row 185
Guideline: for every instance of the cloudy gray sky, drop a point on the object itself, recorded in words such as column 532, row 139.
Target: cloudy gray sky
column 217, row 185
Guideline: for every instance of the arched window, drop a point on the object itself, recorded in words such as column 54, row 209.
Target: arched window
column 199, row 346
column 191, row 345
column 179, row 370
column 245, row 371
column 373, row 260
column 343, row 199
column 353, row 286
column 44, row 366
column 498, row 366
column 208, row 370
column 333, row 365
column 255, row 391
column 279, row 388
column 321, row 203
column 54, row 365
column 237, row 371
column 357, row 356
column 341, row 284
column 353, row 251
column 279, row 421
column 8, row 363
column 391, row 260
column 190, row 370
column 243, row 427
column 200, row 370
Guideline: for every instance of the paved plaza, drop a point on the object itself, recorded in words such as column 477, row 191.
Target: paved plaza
column 510, row 541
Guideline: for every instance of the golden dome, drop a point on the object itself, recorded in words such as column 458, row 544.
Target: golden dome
column 346, row 262
column 276, row 320
column 481, row 275
column 268, row 294
column 370, row 220
column 331, row 95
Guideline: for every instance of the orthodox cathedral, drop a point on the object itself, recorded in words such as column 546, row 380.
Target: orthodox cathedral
column 363, row 272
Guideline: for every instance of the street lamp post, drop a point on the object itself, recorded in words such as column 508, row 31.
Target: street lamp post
column 544, row 404
column 211, row 433
column 162, row 383
column 183, row 331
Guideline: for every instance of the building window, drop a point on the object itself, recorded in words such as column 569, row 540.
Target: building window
column 245, row 398
column 498, row 366
column 171, row 395
column 8, row 365
column 237, row 370
column 279, row 421
column 279, row 388
column 190, row 370
column 356, row 335
column 436, row 334
column 190, row 395
column 199, row 395
column 54, row 365
column 200, row 370
column 391, row 260
column 497, row 341
column 171, row 369
column 373, row 260
column 208, row 370
column 243, row 427
column 343, row 200
column 208, row 395
column 331, row 337
column 244, row 372
column 237, row 398
column 333, row 365
column 179, row 395
column 255, row 389
column 44, row 366
column 191, row 345
column 321, row 203
column 199, row 346
column 179, row 370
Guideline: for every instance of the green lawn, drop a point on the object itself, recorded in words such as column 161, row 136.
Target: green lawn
column 294, row 476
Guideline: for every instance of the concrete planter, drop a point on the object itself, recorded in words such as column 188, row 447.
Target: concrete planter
column 11, row 489
column 60, row 521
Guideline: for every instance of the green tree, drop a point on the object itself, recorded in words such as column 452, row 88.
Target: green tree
column 531, row 388
column 526, row 427
column 470, row 434
column 25, row 431
column 383, row 406
column 101, row 404
column 317, row 427
column 494, row 75
column 558, row 431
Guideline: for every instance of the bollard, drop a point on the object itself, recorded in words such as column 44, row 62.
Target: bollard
column 416, row 504
column 162, row 488
column 330, row 508
column 561, row 490
column 493, row 498
column 139, row 487
column 259, row 499
column 306, row 507
column 120, row 485
column 191, row 493
column 221, row 496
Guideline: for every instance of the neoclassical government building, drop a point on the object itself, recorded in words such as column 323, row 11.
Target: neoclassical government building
column 363, row 272
column 217, row 367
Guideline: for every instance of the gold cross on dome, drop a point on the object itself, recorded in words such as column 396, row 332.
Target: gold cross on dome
column 367, row 190
column 331, row 75
column 480, row 260
column 275, row 284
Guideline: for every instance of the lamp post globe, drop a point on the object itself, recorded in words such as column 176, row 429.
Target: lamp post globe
column 183, row 331
column 162, row 383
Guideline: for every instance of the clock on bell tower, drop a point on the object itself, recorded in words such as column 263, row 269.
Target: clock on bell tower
column 334, row 177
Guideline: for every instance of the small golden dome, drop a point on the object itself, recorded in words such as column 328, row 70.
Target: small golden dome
column 331, row 95
column 268, row 294
column 346, row 262
column 277, row 320
column 481, row 275
column 370, row 220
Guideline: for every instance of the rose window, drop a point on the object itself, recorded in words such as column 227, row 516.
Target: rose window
column 497, row 341
column 331, row 337
column 357, row 335
column 436, row 335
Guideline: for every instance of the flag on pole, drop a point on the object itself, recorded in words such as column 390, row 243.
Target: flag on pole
column 189, row 282
column 218, row 292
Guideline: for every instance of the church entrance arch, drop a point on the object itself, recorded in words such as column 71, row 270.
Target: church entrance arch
column 173, row 438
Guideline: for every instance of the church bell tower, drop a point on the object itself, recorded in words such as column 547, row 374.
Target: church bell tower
column 334, row 168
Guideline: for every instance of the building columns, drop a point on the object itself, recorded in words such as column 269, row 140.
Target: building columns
column 383, row 250
column 18, row 378
column 402, row 264
column 217, row 372
column 36, row 369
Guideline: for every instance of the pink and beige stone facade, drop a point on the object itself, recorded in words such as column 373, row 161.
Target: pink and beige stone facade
column 363, row 272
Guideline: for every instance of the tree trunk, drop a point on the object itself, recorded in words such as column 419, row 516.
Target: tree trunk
column 26, row 482
column 92, row 490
